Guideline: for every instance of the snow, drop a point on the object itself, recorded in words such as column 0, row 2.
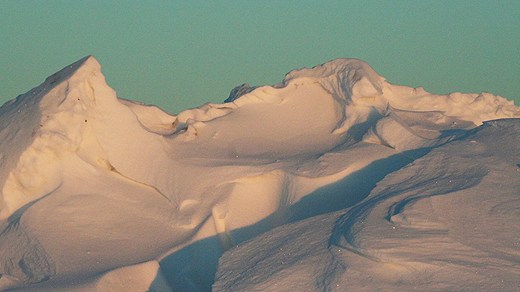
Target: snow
column 447, row 221
column 337, row 177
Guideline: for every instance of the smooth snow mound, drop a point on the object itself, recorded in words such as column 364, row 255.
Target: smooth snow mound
column 92, row 186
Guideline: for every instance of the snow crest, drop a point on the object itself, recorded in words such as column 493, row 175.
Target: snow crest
column 128, row 183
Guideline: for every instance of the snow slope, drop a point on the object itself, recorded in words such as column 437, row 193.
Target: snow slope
column 446, row 222
column 103, row 193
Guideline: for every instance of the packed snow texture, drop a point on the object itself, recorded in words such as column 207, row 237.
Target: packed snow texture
column 340, row 179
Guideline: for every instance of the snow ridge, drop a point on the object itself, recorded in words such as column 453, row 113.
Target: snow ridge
column 137, row 189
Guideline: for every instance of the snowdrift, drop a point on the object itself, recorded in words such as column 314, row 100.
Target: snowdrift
column 363, row 184
column 447, row 221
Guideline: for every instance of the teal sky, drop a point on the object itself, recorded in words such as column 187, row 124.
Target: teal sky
column 181, row 54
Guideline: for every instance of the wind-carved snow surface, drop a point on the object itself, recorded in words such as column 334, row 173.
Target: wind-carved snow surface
column 371, row 186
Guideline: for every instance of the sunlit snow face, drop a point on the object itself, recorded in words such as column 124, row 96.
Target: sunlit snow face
column 128, row 183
